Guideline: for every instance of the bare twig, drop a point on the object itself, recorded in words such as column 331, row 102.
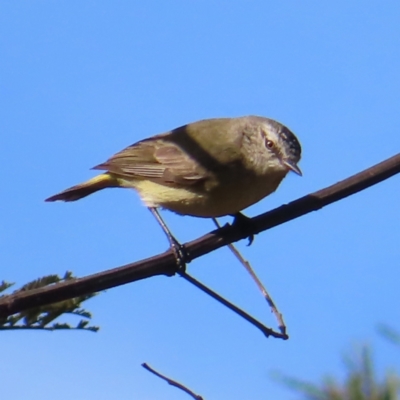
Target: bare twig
column 266, row 295
column 165, row 264
column 172, row 382
column 265, row 330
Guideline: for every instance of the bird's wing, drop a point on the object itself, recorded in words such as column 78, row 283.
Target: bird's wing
column 156, row 159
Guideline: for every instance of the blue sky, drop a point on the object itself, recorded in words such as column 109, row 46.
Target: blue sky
column 81, row 80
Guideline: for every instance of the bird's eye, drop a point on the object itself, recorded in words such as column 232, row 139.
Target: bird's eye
column 269, row 143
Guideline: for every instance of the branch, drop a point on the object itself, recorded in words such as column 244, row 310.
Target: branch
column 261, row 287
column 165, row 263
column 42, row 317
column 265, row 330
column 172, row 382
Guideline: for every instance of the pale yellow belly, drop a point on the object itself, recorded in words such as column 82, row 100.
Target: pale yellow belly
column 225, row 199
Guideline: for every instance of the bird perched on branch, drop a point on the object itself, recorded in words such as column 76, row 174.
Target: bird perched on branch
column 209, row 168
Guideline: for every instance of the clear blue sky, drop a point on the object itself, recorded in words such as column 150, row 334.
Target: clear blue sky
column 81, row 80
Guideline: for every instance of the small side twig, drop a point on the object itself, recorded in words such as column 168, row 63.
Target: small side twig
column 265, row 330
column 266, row 295
column 172, row 382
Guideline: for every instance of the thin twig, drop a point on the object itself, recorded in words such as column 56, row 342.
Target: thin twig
column 265, row 330
column 266, row 295
column 165, row 264
column 172, row 382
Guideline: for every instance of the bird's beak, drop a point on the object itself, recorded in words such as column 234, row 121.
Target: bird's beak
column 293, row 167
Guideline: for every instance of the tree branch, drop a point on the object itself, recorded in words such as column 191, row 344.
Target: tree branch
column 264, row 329
column 165, row 263
column 172, row 382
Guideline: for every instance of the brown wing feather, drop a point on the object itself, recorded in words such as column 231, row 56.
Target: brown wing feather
column 158, row 160
column 183, row 156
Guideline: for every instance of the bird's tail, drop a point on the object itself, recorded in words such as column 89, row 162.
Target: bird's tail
column 77, row 192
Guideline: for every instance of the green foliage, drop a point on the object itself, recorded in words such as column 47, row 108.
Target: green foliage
column 5, row 285
column 43, row 317
column 360, row 383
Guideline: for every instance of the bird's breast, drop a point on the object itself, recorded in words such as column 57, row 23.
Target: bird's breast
column 221, row 197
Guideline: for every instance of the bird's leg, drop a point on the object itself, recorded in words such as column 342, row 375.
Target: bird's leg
column 178, row 249
column 242, row 222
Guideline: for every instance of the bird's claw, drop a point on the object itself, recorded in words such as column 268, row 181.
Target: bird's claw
column 244, row 223
column 181, row 254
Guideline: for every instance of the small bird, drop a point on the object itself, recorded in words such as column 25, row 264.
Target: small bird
column 209, row 168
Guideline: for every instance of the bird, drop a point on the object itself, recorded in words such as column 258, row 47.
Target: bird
column 209, row 168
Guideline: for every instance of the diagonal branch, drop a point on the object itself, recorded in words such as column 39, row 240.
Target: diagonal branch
column 264, row 329
column 165, row 263
column 172, row 382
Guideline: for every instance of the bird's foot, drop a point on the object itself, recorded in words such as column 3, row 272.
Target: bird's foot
column 243, row 223
column 181, row 254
